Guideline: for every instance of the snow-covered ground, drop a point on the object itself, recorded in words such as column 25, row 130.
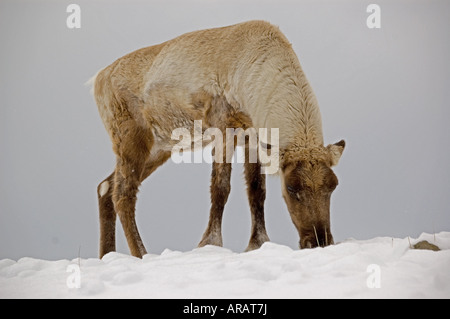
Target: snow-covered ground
column 379, row 268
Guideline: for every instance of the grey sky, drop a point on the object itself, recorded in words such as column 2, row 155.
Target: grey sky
column 385, row 91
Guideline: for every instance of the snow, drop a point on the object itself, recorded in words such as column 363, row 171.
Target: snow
column 382, row 267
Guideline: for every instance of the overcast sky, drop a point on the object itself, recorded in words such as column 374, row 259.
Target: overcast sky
column 385, row 91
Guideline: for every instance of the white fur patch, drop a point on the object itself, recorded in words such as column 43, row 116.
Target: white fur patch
column 91, row 82
column 104, row 187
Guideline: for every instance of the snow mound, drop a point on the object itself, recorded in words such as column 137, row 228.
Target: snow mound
column 382, row 267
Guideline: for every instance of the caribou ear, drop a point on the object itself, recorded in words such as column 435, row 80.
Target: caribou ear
column 335, row 151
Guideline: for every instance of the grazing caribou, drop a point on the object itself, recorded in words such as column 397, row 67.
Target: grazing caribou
column 240, row 76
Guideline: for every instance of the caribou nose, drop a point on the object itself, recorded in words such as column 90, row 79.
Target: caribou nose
column 316, row 238
column 305, row 244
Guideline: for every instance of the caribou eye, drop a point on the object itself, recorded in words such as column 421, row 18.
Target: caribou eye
column 293, row 192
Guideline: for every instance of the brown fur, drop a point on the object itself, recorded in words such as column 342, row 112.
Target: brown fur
column 240, row 76
column 222, row 116
column 308, row 182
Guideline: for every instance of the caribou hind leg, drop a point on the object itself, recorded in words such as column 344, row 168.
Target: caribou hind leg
column 106, row 206
column 107, row 216
column 132, row 152
column 117, row 196
column 124, row 198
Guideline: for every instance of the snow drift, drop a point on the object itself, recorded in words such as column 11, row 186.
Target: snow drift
column 383, row 267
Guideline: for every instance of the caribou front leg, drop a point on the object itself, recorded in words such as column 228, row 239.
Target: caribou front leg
column 256, row 191
column 220, row 189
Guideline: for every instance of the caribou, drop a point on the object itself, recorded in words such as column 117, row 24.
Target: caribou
column 241, row 76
